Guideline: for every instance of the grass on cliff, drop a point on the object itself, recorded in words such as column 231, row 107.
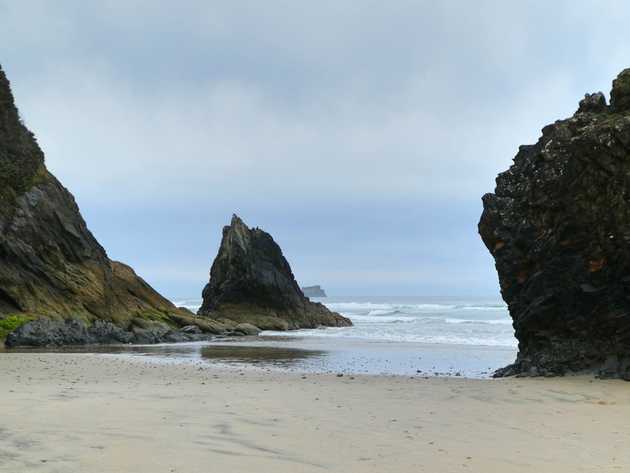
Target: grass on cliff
column 12, row 322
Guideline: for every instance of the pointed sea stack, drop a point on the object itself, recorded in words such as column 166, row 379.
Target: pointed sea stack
column 558, row 227
column 51, row 266
column 251, row 281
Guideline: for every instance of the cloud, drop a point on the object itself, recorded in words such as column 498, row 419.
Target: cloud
column 154, row 113
column 203, row 141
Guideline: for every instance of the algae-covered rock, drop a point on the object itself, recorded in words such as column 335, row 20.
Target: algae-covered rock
column 251, row 281
column 247, row 329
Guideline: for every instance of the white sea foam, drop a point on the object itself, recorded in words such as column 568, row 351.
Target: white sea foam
column 471, row 321
column 382, row 319
column 190, row 304
column 397, row 336
column 454, row 322
column 447, row 321
column 366, row 307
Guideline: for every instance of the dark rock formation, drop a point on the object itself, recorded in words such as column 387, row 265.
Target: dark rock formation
column 251, row 281
column 51, row 333
column 313, row 291
column 594, row 103
column 50, row 264
column 558, row 227
column 47, row 332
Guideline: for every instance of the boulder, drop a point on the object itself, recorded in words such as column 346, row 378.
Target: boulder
column 105, row 332
column 147, row 332
column 246, row 329
column 191, row 329
column 251, row 281
column 204, row 324
column 47, row 332
column 593, row 103
column 558, row 227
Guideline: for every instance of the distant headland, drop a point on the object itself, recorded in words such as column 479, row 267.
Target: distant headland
column 314, row 291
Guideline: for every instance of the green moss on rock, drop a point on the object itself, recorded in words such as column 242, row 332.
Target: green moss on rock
column 12, row 322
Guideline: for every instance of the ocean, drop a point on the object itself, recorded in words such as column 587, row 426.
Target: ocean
column 443, row 320
column 427, row 336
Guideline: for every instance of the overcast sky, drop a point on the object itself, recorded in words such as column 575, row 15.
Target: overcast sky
column 360, row 134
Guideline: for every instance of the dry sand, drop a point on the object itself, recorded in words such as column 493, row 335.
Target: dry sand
column 93, row 413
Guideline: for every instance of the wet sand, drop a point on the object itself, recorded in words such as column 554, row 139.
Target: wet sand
column 99, row 413
column 323, row 355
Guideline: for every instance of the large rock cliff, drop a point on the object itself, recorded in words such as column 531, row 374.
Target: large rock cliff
column 251, row 281
column 558, row 227
column 51, row 266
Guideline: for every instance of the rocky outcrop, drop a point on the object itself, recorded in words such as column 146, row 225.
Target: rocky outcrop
column 53, row 333
column 51, row 266
column 251, row 281
column 558, row 227
column 313, row 291
column 47, row 332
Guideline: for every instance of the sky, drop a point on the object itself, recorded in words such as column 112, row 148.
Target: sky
column 360, row 134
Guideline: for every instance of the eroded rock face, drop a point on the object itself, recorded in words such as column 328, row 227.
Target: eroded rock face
column 50, row 263
column 251, row 281
column 558, row 227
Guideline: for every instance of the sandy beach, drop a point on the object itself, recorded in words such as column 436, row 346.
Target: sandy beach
column 96, row 413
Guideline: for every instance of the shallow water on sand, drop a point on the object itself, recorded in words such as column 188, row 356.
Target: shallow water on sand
column 471, row 337
column 321, row 355
column 356, row 356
